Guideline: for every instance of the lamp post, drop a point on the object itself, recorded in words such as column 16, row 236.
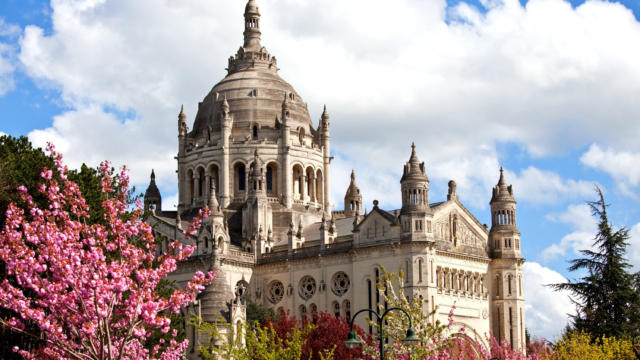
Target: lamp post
column 353, row 341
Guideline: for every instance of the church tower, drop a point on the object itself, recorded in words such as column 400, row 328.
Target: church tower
column 353, row 199
column 415, row 210
column 506, row 268
column 152, row 197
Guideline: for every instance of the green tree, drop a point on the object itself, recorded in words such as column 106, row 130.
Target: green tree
column 20, row 164
column 607, row 296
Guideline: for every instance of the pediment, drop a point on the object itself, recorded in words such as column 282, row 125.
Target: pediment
column 453, row 223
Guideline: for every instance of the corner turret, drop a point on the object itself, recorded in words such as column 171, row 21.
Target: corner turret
column 353, row 199
column 152, row 197
column 506, row 267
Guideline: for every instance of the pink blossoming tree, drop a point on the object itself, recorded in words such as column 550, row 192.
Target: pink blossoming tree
column 89, row 288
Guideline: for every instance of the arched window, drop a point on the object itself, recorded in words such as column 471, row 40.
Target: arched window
column 269, row 178
column 369, row 290
column 319, row 187
column 310, row 179
column 346, row 305
column 336, row 308
column 213, row 178
column 303, row 311
column 200, row 182
column 298, row 182
column 240, row 177
column 420, row 270
column 255, row 132
column 509, row 277
column 190, row 194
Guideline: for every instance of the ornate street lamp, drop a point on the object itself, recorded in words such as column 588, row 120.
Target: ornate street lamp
column 353, row 341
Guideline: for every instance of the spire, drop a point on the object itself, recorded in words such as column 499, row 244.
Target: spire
column 501, row 181
column 414, row 168
column 152, row 197
column 353, row 198
column 324, row 119
column 252, row 27
column 182, row 122
column 285, row 109
column 502, row 191
column 414, row 157
column 214, row 207
column 414, row 185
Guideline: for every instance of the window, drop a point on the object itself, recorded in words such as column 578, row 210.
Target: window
column 241, row 178
column 307, row 287
column 340, row 283
column 336, row 309
column 269, row 178
column 255, row 132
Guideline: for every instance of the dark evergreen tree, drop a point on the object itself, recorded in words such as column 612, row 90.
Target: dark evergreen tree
column 607, row 296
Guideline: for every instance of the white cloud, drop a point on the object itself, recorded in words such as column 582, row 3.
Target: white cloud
column 621, row 165
column 546, row 310
column 543, row 186
column 583, row 227
column 456, row 81
column 170, row 203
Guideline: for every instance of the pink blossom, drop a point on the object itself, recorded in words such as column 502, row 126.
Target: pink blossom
column 82, row 278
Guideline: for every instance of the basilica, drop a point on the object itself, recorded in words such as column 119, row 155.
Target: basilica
column 254, row 156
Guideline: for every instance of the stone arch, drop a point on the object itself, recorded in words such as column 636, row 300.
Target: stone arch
column 335, row 308
column 319, row 187
column 298, row 182
column 420, row 269
column 200, row 181
column 310, row 184
column 214, row 177
column 272, row 178
column 190, row 185
column 220, row 244
column 239, row 178
column 471, row 343
column 346, row 308
column 254, row 131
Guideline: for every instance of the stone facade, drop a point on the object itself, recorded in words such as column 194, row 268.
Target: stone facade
column 256, row 159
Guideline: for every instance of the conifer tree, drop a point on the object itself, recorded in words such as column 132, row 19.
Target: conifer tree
column 607, row 296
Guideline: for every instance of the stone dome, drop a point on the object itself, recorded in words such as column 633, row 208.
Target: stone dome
column 253, row 89
column 254, row 97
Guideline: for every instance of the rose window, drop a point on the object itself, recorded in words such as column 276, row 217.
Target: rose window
column 340, row 283
column 276, row 291
column 307, row 287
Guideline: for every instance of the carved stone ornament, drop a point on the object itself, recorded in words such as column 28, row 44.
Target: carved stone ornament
column 340, row 283
column 307, row 287
column 276, row 292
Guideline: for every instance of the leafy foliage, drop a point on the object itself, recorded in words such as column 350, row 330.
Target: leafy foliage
column 258, row 312
column 579, row 345
column 607, row 296
column 320, row 337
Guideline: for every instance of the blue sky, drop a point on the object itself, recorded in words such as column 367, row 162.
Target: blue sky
column 547, row 89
